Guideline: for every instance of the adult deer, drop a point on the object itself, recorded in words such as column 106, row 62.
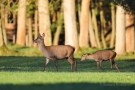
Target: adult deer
column 56, row 52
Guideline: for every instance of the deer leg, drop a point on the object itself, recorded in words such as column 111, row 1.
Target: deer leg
column 117, row 67
column 101, row 65
column 56, row 65
column 111, row 63
column 75, row 63
column 97, row 65
column 71, row 62
column 47, row 61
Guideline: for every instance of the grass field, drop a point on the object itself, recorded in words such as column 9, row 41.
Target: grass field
column 25, row 73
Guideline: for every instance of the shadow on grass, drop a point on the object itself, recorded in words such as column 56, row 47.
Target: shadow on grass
column 19, row 63
column 69, row 86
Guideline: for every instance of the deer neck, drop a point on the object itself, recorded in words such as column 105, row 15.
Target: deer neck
column 90, row 57
column 43, row 48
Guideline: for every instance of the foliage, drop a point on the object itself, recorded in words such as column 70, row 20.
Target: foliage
column 128, row 5
column 6, row 51
column 11, row 6
column 54, row 5
column 17, row 50
column 30, row 7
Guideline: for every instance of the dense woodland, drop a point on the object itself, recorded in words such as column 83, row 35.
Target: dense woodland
column 102, row 24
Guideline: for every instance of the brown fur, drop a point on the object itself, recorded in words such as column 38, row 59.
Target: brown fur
column 100, row 56
column 56, row 52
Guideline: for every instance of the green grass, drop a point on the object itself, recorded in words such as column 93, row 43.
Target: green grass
column 21, row 69
column 66, row 80
column 25, row 73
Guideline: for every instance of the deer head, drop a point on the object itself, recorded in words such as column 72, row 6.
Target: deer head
column 40, row 39
column 84, row 56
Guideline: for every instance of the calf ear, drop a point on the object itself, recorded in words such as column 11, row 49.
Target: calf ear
column 88, row 53
column 43, row 35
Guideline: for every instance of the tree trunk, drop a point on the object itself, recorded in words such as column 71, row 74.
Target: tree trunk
column 1, row 36
column 21, row 29
column 59, row 28
column 44, row 21
column 91, row 33
column 113, row 16
column 95, row 28
column 71, row 37
column 130, row 39
column 3, row 26
column 84, row 24
column 102, row 21
column 36, row 26
column 120, row 30
column 30, row 32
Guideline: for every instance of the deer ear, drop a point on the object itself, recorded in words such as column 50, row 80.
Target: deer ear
column 88, row 53
column 39, row 35
column 43, row 35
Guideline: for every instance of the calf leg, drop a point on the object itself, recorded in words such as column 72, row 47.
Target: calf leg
column 47, row 61
column 75, row 63
column 56, row 65
column 101, row 65
column 97, row 65
column 111, row 63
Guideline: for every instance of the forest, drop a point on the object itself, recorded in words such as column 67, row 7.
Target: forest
column 87, row 25
column 101, row 24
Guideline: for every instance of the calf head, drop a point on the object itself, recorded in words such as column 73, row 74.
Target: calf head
column 84, row 56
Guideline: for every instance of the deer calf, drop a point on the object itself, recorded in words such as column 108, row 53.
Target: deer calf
column 100, row 56
column 57, row 52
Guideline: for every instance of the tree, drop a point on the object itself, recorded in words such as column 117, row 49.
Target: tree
column 120, row 30
column 95, row 26
column 130, row 38
column 91, row 32
column 35, row 23
column 102, row 21
column 59, row 28
column 128, row 5
column 113, row 17
column 84, row 24
column 44, row 21
column 71, row 37
column 21, row 29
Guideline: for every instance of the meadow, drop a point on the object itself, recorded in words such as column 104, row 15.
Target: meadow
column 25, row 72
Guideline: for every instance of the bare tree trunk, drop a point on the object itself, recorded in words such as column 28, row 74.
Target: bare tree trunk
column 102, row 21
column 21, row 29
column 3, row 26
column 1, row 36
column 59, row 28
column 130, row 38
column 84, row 24
column 44, row 21
column 95, row 27
column 91, row 33
column 120, row 31
column 71, row 37
column 113, row 14
column 36, row 26
column 30, row 32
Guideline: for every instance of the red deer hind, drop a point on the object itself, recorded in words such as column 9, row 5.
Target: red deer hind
column 56, row 52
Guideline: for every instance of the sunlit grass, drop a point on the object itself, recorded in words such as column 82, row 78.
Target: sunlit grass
column 66, row 77
column 23, row 71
